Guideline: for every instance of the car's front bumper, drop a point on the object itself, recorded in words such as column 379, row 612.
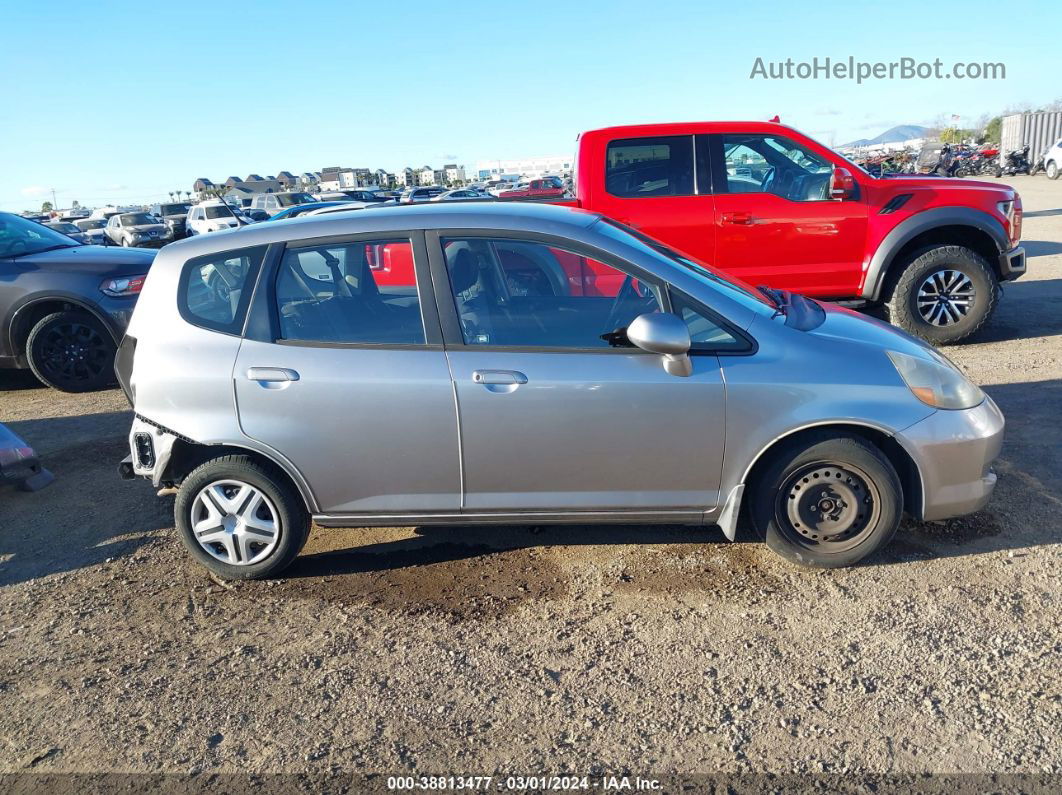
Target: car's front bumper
column 954, row 451
column 1012, row 263
column 152, row 242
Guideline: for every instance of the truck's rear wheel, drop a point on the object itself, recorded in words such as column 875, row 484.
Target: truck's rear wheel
column 944, row 294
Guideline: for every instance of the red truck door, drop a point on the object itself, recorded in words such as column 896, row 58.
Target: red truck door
column 775, row 223
column 657, row 185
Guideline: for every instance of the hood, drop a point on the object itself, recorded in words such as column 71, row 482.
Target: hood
column 923, row 181
column 148, row 228
column 846, row 325
column 102, row 260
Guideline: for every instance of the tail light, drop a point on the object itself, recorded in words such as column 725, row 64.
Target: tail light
column 124, row 286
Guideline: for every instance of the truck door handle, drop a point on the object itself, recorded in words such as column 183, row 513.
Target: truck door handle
column 744, row 219
column 506, row 377
column 271, row 374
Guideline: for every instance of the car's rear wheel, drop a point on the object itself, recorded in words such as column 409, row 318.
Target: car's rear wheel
column 944, row 294
column 240, row 518
column 1052, row 170
column 71, row 352
column 827, row 501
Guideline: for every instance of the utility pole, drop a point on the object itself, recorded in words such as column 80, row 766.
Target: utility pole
column 55, row 204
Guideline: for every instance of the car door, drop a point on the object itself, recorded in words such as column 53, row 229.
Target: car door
column 775, row 222
column 349, row 381
column 659, row 186
column 551, row 417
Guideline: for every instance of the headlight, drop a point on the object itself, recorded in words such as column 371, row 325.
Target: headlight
column 127, row 285
column 936, row 383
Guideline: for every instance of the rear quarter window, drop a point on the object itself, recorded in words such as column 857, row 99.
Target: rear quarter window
column 215, row 289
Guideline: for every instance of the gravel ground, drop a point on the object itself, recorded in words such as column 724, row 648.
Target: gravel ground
column 576, row 649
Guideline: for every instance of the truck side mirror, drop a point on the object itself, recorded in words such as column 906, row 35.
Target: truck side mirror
column 842, row 185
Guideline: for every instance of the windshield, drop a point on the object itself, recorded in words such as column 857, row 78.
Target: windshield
column 84, row 226
column 218, row 211
column 66, row 229
column 174, row 209
column 19, row 236
column 625, row 233
column 291, row 199
column 136, row 219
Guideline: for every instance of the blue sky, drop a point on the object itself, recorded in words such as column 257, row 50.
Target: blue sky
column 123, row 102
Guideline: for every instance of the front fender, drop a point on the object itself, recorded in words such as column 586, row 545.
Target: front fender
column 925, row 221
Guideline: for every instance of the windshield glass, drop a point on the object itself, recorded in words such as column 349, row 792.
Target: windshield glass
column 86, row 225
column 136, row 219
column 19, row 236
column 218, row 211
column 291, row 199
column 174, row 209
column 66, row 229
column 620, row 232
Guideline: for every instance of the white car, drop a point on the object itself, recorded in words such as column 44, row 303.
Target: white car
column 210, row 216
column 1053, row 160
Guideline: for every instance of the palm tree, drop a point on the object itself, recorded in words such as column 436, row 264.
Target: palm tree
column 171, row 195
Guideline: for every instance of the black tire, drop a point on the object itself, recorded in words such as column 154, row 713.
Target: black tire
column 71, row 352
column 961, row 313
column 997, row 172
column 291, row 518
column 861, row 486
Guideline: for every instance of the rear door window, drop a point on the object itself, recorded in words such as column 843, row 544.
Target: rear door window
column 357, row 292
column 641, row 167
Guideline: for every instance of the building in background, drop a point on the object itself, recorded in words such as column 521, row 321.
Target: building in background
column 454, row 174
column 528, row 167
column 426, row 176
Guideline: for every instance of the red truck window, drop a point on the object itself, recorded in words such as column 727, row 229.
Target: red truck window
column 660, row 166
column 773, row 164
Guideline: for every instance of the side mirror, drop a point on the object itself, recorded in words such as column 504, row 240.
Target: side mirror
column 666, row 334
column 842, row 185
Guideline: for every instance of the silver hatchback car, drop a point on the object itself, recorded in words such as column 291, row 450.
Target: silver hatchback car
column 522, row 363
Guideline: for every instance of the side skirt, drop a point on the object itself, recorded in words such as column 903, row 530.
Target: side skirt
column 515, row 518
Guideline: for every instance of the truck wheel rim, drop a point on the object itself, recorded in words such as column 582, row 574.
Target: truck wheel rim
column 829, row 506
column 72, row 351
column 235, row 522
column 945, row 297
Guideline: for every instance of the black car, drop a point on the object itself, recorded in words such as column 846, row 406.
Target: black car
column 173, row 214
column 64, row 306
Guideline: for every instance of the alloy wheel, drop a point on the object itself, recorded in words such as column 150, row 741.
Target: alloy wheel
column 828, row 505
column 72, row 351
column 945, row 297
column 235, row 522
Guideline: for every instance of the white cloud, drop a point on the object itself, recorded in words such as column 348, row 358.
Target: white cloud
column 35, row 191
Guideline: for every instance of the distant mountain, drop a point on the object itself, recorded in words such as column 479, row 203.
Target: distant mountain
column 901, row 132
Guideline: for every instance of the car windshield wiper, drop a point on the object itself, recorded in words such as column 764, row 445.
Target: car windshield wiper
column 782, row 299
column 72, row 244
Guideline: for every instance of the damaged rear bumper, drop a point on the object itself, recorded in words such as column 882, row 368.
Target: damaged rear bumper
column 150, row 449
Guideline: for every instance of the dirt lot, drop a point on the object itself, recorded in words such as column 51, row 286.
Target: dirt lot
column 574, row 649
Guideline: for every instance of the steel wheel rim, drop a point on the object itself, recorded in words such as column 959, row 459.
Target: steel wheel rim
column 234, row 522
column 945, row 297
column 829, row 506
column 73, row 351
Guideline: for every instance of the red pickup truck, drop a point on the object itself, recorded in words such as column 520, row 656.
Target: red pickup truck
column 543, row 188
column 776, row 208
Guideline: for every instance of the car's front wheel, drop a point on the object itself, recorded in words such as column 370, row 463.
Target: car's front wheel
column 240, row 518
column 1052, row 170
column 71, row 352
column 827, row 501
column 944, row 294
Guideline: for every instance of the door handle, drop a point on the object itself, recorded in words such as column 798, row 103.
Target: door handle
column 271, row 374
column 744, row 219
column 506, row 377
